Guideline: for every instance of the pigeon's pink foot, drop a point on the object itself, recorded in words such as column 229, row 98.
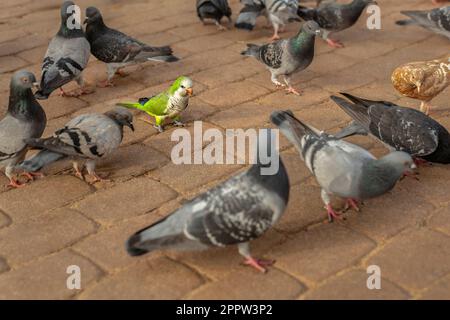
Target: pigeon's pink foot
column 275, row 37
column 332, row 214
column 410, row 174
column 352, row 203
column 293, row 91
column 421, row 162
column 62, row 93
column 121, row 73
column 15, row 184
column 105, row 84
column 335, row 43
column 259, row 264
column 97, row 178
column 31, row 175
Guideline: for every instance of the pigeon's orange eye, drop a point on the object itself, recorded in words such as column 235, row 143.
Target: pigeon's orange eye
column 25, row 80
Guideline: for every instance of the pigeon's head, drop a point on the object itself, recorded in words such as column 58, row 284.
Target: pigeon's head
column 92, row 15
column 312, row 27
column 67, row 10
column 122, row 117
column 23, row 80
column 182, row 87
column 401, row 161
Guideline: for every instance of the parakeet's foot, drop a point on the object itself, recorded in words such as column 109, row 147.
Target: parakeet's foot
column 159, row 128
column 425, row 107
column 351, row 203
column 31, row 175
column 293, row 91
column 13, row 183
column 335, row 43
column 105, row 84
column 332, row 214
column 121, row 73
column 259, row 264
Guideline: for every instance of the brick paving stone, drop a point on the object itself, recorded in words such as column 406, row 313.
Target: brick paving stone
column 4, row 220
column 344, row 80
column 439, row 220
column 381, row 224
column 11, row 63
column 150, row 279
column 320, row 252
column 3, row 265
column 352, row 286
column 324, row 116
column 54, row 105
column 294, row 165
column 311, row 96
column 21, row 44
column 46, row 278
column 250, row 284
column 39, row 237
column 425, row 257
column 438, row 291
column 134, row 200
column 236, row 93
column 46, row 195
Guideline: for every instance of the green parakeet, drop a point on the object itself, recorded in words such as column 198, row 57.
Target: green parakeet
column 167, row 104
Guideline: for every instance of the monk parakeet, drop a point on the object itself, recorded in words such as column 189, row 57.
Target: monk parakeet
column 167, row 104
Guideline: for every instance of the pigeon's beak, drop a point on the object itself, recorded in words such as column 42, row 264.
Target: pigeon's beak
column 190, row 92
column 413, row 166
column 36, row 85
column 130, row 125
column 86, row 20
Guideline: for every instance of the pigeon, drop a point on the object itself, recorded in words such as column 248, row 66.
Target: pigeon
column 288, row 56
column 24, row 119
column 66, row 57
column 278, row 12
column 167, row 104
column 436, row 20
column 399, row 128
column 342, row 168
column 334, row 17
column 117, row 49
column 422, row 80
column 234, row 212
column 87, row 137
column 215, row 10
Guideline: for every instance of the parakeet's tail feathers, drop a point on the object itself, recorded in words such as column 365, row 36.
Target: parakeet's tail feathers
column 405, row 22
column 252, row 50
column 356, row 110
column 306, row 13
column 40, row 160
column 130, row 105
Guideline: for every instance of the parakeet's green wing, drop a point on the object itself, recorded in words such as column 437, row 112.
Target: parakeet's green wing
column 157, row 105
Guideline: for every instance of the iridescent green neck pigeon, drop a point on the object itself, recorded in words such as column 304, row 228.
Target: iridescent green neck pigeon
column 167, row 104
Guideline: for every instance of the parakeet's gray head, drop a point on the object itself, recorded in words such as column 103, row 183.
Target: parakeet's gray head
column 182, row 87
column 122, row 117
column 23, row 80
column 400, row 161
column 312, row 27
column 92, row 15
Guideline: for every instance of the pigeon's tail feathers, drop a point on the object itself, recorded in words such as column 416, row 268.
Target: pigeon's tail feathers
column 306, row 13
column 405, row 22
column 157, row 54
column 291, row 127
column 42, row 159
column 252, row 50
column 358, row 111
column 170, row 58
column 354, row 128
column 165, row 233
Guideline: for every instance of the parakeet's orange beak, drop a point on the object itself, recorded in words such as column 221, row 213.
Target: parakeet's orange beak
column 190, row 92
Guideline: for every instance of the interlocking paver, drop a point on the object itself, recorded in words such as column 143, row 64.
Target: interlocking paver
column 60, row 220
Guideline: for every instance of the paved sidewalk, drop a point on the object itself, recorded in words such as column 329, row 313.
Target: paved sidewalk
column 60, row 221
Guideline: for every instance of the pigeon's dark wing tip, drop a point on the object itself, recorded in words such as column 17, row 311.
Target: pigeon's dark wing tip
column 131, row 246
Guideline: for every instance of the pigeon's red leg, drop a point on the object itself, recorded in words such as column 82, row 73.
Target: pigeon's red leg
column 421, row 162
column 352, row 203
column 335, row 43
column 105, row 84
column 259, row 264
column 15, row 184
column 293, row 91
column 332, row 214
column 410, row 174
column 121, row 73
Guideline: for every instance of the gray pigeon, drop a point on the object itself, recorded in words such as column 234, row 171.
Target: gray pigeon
column 399, row 128
column 117, row 49
column 278, row 12
column 288, row 56
column 24, row 119
column 334, row 17
column 66, row 57
column 235, row 212
column 87, row 137
column 215, row 10
column 341, row 168
column 436, row 20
